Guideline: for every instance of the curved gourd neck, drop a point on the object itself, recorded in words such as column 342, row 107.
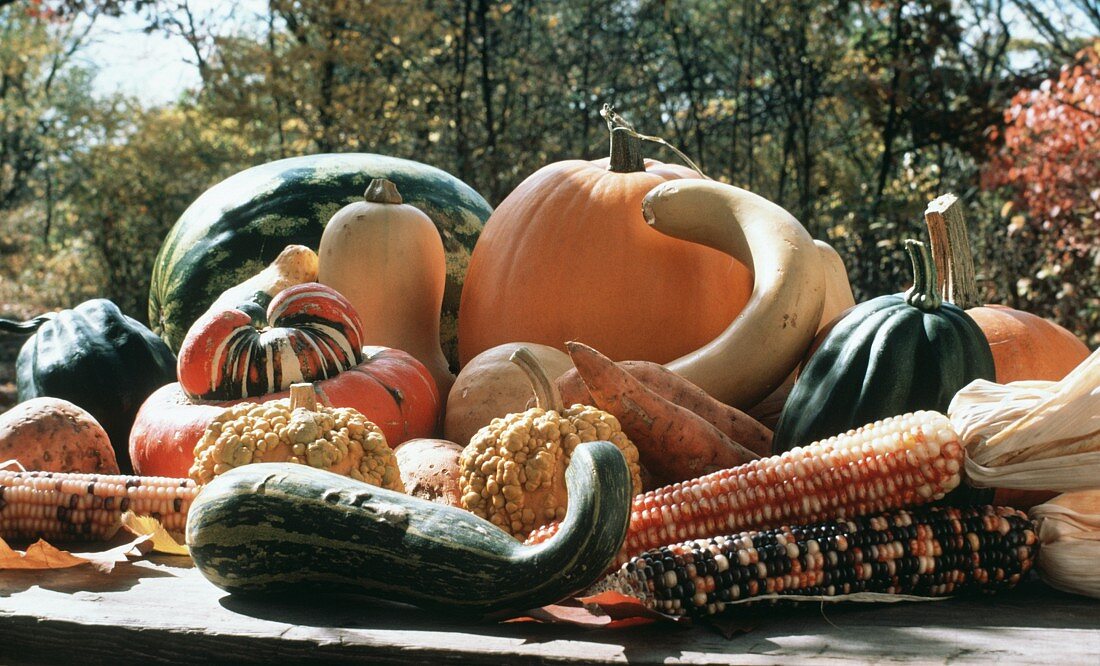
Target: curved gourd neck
column 547, row 396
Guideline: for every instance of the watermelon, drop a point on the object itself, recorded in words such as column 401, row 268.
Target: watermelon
column 237, row 227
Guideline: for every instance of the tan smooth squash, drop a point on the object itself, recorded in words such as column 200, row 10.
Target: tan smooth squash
column 766, row 341
column 838, row 298
column 387, row 258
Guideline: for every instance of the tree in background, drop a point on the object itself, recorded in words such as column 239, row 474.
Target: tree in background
column 852, row 115
column 1049, row 163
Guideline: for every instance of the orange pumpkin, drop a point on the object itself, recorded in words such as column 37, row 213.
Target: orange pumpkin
column 391, row 388
column 1026, row 346
column 568, row 256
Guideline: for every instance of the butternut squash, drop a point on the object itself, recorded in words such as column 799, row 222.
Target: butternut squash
column 388, row 259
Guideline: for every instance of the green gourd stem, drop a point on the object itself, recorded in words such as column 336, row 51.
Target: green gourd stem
column 25, row 327
column 923, row 294
column 546, row 392
column 381, row 190
column 951, row 252
column 626, row 148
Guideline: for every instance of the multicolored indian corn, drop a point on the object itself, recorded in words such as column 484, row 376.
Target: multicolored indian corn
column 87, row 507
column 927, row 552
column 899, row 462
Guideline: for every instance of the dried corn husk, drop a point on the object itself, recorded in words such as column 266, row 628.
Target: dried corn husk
column 1033, row 435
column 1069, row 531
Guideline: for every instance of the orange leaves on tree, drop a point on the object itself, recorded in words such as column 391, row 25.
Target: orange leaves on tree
column 1050, row 157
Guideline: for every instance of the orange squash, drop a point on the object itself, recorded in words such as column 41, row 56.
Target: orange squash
column 391, row 388
column 568, row 256
column 1025, row 346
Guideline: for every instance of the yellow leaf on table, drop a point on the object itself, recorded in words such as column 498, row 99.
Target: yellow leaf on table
column 162, row 541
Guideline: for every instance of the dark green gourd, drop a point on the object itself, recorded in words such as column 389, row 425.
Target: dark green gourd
column 276, row 528
column 97, row 358
column 888, row 356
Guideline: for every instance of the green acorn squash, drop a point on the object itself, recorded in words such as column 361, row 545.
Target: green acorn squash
column 272, row 528
column 888, row 356
column 237, row 227
column 95, row 357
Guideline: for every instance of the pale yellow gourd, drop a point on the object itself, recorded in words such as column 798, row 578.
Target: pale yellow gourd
column 387, row 258
column 767, row 340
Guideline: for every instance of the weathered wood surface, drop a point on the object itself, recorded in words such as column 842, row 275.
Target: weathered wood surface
column 162, row 610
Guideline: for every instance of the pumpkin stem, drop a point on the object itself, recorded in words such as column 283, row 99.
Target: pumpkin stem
column 546, row 392
column 381, row 190
column 25, row 327
column 922, row 294
column 626, row 148
column 951, row 252
column 302, row 396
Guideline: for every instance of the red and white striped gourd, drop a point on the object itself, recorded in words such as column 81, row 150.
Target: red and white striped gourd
column 310, row 332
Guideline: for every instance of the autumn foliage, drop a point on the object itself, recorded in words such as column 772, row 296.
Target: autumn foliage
column 1051, row 154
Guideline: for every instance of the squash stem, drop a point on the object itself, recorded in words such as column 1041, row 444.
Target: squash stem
column 302, row 396
column 923, row 294
column 546, row 392
column 381, row 190
column 626, row 149
column 951, row 252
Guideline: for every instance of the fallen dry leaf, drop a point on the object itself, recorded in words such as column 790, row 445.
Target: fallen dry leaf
column 41, row 555
column 162, row 541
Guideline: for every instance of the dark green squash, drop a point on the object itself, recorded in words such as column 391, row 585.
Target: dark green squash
column 888, row 356
column 95, row 357
column 237, row 227
column 272, row 528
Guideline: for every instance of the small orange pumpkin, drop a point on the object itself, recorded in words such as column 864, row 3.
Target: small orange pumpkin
column 568, row 256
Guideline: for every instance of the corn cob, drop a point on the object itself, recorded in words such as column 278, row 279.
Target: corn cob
column 87, row 507
column 891, row 464
column 927, row 552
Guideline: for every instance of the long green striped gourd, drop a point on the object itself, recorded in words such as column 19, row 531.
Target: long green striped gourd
column 236, row 228
column 282, row 528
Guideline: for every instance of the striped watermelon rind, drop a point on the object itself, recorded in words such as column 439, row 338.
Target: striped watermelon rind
column 237, row 227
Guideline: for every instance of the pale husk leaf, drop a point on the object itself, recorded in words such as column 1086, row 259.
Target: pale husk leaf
column 1069, row 533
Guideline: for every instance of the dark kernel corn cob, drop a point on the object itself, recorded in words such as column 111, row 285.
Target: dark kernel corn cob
column 928, row 552
column 87, row 507
column 895, row 463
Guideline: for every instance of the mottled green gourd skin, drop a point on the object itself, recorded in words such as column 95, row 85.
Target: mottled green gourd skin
column 283, row 528
column 236, row 228
column 96, row 357
column 885, row 357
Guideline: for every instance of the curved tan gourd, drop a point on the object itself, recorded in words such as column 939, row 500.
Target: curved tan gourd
column 766, row 341
column 387, row 258
column 838, row 298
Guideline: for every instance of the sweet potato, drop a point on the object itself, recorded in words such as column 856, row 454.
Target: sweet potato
column 55, row 435
column 735, row 424
column 674, row 443
column 430, row 470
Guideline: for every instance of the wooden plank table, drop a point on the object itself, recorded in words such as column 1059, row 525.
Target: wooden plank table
column 162, row 610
